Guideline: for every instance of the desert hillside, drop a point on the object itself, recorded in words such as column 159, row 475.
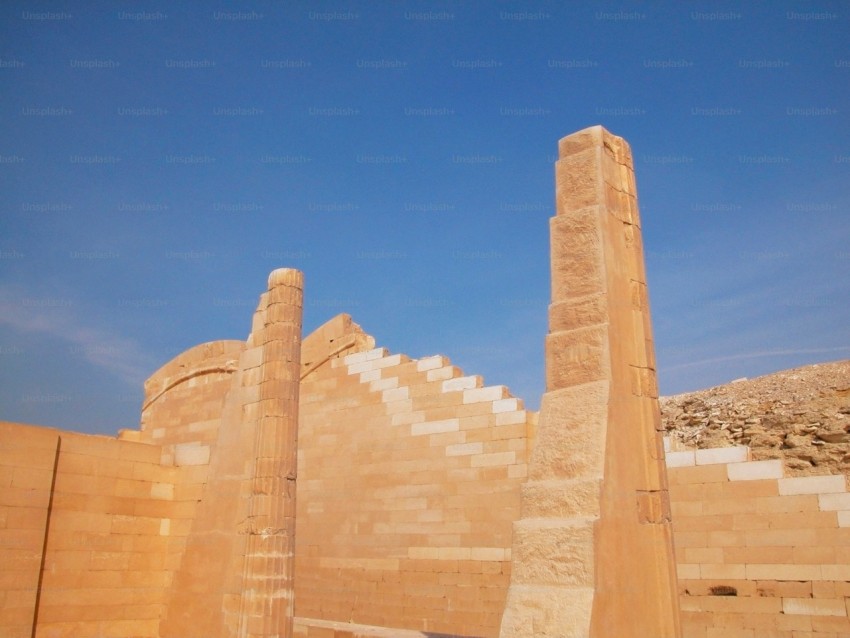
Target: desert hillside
column 800, row 415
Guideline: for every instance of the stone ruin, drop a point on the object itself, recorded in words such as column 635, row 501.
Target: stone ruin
column 427, row 503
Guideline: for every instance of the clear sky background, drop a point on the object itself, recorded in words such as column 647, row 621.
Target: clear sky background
column 158, row 160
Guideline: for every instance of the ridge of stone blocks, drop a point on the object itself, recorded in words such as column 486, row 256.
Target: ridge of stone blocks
column 410, row 473
column 604, row 550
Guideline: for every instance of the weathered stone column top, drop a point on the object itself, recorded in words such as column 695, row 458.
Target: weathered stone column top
column 596, row 135
column 291, row 277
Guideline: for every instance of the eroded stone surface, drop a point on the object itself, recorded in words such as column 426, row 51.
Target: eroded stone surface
column 599, row 423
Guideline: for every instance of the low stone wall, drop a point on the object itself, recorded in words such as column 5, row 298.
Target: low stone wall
column 758, row 553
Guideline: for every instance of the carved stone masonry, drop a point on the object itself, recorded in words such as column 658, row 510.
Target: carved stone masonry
column 593, row 552
column 268, row 585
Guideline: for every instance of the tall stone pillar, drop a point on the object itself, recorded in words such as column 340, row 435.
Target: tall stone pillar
column 235, row 579
column 593, row 552
column 268, row 585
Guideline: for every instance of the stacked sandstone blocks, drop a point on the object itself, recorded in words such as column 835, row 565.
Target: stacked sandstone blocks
column 759, row 554
column 409, row 476
column 592, row 552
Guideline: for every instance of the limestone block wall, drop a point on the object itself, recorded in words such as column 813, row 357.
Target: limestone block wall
column 27, row 462
column 409, row 477
column 759, row 554
column 86, row 526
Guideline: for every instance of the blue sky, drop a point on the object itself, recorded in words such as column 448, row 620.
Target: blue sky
column 158, row 160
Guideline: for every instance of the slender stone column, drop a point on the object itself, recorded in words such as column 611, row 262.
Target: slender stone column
column 593, row 554
column 268, row 586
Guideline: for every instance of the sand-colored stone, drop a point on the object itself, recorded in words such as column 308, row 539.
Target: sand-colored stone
column 428, row 502
column 599, row 422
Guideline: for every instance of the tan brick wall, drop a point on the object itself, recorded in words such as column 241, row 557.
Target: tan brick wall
column 409, row 476
column 27, row 461
column 110, row 515
column 409, row 483
column 759, row 554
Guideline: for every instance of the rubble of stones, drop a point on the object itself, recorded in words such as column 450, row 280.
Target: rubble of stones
column 801, row 416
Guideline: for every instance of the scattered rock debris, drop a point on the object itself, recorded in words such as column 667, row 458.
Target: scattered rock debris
column 801, row 416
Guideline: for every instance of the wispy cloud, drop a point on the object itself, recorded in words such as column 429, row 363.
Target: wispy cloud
column 744, row 356
column 55, row 316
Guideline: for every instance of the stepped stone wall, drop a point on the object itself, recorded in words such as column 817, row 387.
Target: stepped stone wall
column 427, row 503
